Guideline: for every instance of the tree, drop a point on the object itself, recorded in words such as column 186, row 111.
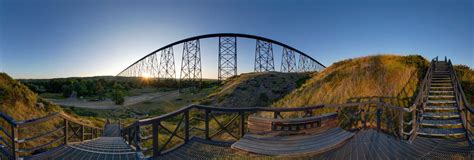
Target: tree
column 118, row 94
column 100, row 89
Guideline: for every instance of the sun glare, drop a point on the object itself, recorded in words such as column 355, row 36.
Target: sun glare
column 146, row 75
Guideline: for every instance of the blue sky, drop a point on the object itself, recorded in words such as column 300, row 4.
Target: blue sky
column 46, row 39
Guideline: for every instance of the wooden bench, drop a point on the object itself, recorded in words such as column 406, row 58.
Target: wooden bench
column 288, row 137
column 307, row 125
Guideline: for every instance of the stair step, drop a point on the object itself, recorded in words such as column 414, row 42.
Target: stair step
column 441, row 88
column 441, row 91
column 441, row 84
column 441, row 78
column 441, row 115
column 441, row 81
column 441, row 132
column 441, row 96
column 441, row 102
column 442, row 123
column 440, row 108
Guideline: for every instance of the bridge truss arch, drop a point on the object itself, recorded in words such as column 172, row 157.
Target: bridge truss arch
column 161, row 63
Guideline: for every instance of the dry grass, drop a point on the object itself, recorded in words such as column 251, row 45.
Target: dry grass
column 20, row 103
column 466, row 76
column 379, row 75
column 255, row 89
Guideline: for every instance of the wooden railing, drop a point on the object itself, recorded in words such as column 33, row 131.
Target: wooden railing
column 159, row 135
column 420, row 101
column 462, row 103
column 13, row 141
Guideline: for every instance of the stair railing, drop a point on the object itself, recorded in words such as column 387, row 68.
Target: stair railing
column 463, row 105
column 420, row 101
column 13, row 141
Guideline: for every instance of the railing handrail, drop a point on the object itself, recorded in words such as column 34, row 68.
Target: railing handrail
column 7, row 118
column 15, row 125
column 460, row 96
column 261, row 109
column 458, row 83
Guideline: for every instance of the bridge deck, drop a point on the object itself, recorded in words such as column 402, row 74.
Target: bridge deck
column 367, row 144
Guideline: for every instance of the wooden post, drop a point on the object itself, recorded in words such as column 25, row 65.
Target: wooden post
column 400, row 125
column 186, row 126
column 129, row 135
column 414, row 120
column 364, row 122
column 156, row 151
column 137, row 138
column 206, row 118
column 379, row 110
column 242, row 124
column 66, row 128
column 82, row 133
column 14, row 138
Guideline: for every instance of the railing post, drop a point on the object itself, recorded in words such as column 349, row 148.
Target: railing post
column 242, row 124
column 14, row 139
column 82, row 133
column 400, row 125
column 206, row 118
column 364, row 122
column 66, row 128
column 156, row 151
column 186, row 126
column 414, row 120
column 379, row 111
column 129, row 135
column 275, row 114
column 137, row 138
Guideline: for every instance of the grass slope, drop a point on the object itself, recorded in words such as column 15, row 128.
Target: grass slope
column 466, row 76
column 20, row 103
column 255, row 89
column 379, row 75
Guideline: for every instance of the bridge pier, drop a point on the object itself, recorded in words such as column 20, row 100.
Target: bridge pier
column 166, row 65
column 191, row 63
column 227, row 57
column 264, row 57
column 288, row 61
column 303, row 65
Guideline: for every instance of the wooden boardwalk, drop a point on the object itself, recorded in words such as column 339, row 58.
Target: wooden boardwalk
column 295, row 144
column 366, row 144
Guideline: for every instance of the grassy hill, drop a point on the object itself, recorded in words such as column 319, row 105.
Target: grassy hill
column 255, row 89
column 20, row 103
column 466, row 76
column 379, row 75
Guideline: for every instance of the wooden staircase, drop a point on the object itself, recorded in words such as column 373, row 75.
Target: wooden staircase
column 109, row 146
column 441, row 116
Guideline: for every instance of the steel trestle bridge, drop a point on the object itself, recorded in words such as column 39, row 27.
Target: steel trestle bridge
column 161, row 63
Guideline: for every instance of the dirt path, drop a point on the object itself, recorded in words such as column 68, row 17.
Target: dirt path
column 109, row 104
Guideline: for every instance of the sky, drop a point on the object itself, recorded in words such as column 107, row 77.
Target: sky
column 66, row 38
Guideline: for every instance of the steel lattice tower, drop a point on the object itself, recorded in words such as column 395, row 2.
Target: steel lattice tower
column 191, row 62
column 303, row 64
column 288, row 61
column 166, row 66
column 264, row 57
column 227, row 57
